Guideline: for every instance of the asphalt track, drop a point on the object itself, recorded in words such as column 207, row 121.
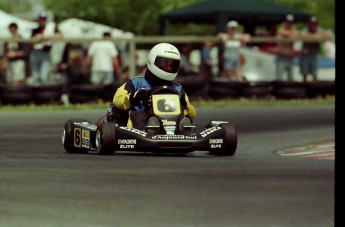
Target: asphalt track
column 42, row 185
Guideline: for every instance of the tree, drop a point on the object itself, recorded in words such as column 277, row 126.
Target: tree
column 324, row 10
column 137, row 16
column 141, row 16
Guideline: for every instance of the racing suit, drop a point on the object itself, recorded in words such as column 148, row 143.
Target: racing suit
column 139, row 116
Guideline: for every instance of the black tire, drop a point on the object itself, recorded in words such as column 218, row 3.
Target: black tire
column 287, row 84
column 80, row 98
column 229, row 142
column 290, row 93
column 87, row 89
column 105, row 138
column 219, row 93
column 15, row 88
column 50, row 87
column 320, row 88
column 192, row 83
column 47, row 97
column 223, row 88
column 68, row 137
column 15, row 94
column 15, row 98
column 85, row 93
column 201, row 94
column 289, row 90
column 257, row 90
column 109, row 91
column 225, row 82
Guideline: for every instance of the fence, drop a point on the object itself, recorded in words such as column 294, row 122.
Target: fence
column 197, row 87
column 132, row 43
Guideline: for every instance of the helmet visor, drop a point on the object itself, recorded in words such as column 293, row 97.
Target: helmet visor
column 167, row 64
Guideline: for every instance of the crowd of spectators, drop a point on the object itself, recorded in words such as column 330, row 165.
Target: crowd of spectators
column 100, row 62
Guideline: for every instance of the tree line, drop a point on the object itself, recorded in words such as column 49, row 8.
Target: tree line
column 141, row 16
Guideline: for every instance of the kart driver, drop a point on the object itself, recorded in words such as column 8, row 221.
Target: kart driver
column 130, row 99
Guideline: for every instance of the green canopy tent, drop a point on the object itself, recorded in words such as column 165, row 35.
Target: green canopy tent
column 249, row 13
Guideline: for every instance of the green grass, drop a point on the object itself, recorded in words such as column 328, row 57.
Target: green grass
column 330, row 100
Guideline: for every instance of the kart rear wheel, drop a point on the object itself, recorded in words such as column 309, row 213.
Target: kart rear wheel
column 229, row 142
column 68, row 139
column 105, row 138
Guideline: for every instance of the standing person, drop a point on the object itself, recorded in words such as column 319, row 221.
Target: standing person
column 103, row 57
column 285, row 49
column 186, row 65
column 232, row 42
column 206, row 60
column 15, row 56
column 40, row 61
column 310, row 50
column 163, row 65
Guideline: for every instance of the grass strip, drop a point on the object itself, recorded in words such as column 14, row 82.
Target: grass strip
column 329, row 100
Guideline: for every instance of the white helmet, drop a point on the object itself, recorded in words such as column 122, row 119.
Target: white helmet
column 164, row 61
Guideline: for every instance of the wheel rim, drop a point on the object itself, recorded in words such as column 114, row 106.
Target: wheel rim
column 98, row 138
column 63, row 136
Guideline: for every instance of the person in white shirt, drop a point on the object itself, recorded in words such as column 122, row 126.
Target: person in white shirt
column 103, row 57
column 232, row 42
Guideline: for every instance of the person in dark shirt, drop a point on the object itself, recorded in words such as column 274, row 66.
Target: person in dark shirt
column 310, row 49
column 15, row 55
column 40, row 60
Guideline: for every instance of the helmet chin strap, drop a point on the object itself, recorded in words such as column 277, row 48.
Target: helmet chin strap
column 152, row 79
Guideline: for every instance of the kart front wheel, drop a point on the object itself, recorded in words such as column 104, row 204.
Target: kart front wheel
column 105, row 138
column 229, row 141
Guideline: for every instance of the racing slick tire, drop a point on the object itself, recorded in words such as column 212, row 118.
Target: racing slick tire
column 105, row 138
column 229, row 142
column 68, row 139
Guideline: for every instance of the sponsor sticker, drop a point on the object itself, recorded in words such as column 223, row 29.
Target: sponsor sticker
column 173, row 137
column 82, row 123
column 85, row 138
column 77, row 137
column 127, row 143
column 134, row 130
column 166, row 122
column 208, row 131
column 215, row 143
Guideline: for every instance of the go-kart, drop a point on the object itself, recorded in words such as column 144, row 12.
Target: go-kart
column 167, row 131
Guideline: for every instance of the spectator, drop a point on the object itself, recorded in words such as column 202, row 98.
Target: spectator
column 103, row 57
column 285, row 51
column 40, row 61
column 186, row 65
column 232, row 42
column 73, row 58
column 270, row 47
column 15, row 56
column 214, row 57
column 206, row 61
column 310, row 50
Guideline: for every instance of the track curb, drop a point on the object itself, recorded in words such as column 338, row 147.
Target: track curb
column 319, row 150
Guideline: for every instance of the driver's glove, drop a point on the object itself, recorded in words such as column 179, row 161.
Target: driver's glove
column 141, row 95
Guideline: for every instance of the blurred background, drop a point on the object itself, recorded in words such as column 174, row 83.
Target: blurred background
column 193, row 25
